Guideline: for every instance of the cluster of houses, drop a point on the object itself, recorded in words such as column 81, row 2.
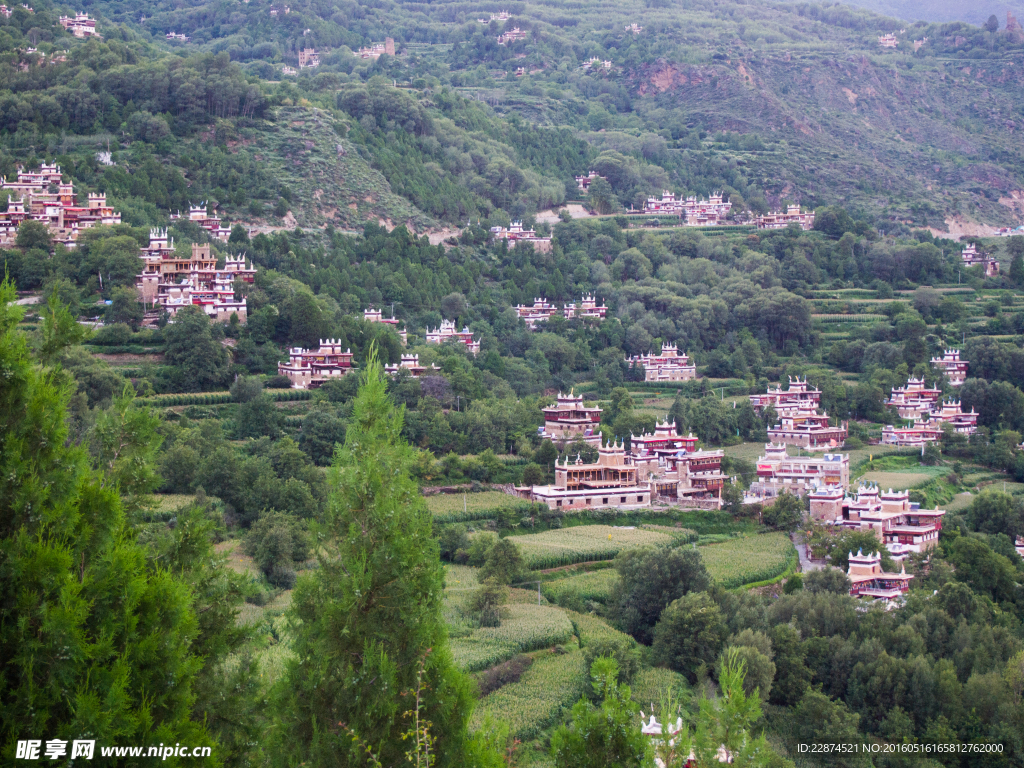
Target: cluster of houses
column 33, row 198
column 79, row 25
column 503, row 16
column 800, row 424
column 925, row 408
column 517, row 233
column 661, row 466
column 200, row 215
column 777, row 472
column 179, row 36
column 376, row 50
column 596, row 63
column 667, row 365
column 971, row 257
column 635, row 28
column 888, row 40
column 169, row 282
column 703, row 213
column 512, row 35
column 543, row 310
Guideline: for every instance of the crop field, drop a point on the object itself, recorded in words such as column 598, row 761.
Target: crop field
column 751, row 451
column 960, row 502
column 459, row 507
column 752, row 558
column 583, row 543
column 900, row 481
column 554, row 682
column 591, row 628
column 596, row 585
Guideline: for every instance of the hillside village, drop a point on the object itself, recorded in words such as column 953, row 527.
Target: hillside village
column 537, row 386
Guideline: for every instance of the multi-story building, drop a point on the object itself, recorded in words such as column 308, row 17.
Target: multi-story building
column 588, row 309
column 915, row 400
column 503, row 16
column 447, row 332
column 888, row 40
column 609, row 482
column 691, row 479
column 169, row 283
column 372, row 315
column 780, row 220
column 410, row 363
column 79, row 25
column 972, row 258
column 898, row 523
column 309, row 58
column 656, row 448
column 808, row 429
column 667, row 365
column 777, row 472
column 541, row 311
column 952, row 366
column 951, row 412
column 199, row 214
column 596, row 64
column 635, row 28
column 796, row 398
column 569, row 420
column 511, row 36
column 516, row 233
column 179, row 36
column 867, row 578
column 310, row 368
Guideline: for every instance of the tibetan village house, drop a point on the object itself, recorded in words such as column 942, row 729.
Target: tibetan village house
column 898, row 523
column 869, row 580
column 410, row 363
column 798, row 397
column 198, row 214
column 170, row 283
column 952, row 366
column 610, row 482
column 808, row 429
column 972, row 258
column 310, row 368
column 915, row 400
column 372, row 315
column 779, row 220
column 698, row 213
column 447, row 332
column 79, row 25
column 569, row 420
column 667, row 365
column 543, row 310
column 778, row 472
column 517, row 234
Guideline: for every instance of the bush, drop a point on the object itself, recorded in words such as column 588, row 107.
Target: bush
column 509, row 672
column 793, row 584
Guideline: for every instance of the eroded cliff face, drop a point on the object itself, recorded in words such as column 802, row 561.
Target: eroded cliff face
column 849, row 130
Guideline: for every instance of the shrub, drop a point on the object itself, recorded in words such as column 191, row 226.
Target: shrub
column 503, row 674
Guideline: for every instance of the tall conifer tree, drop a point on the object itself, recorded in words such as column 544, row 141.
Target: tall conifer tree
column 370, row 614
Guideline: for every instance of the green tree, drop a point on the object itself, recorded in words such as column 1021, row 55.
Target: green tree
column 603, row 735
column 785, row 513
column 819, row 720
column 504, row 563
column 199, row 361
column 601, row 197
column 650, row 579
column 94, row 641
column 371, row 611
column 689, row 635
column 276, row 542
column 124, row 308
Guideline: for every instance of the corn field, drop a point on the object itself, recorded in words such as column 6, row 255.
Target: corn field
column 553, row 683
column 583, row 543
column 747, row 560
column 461, row 508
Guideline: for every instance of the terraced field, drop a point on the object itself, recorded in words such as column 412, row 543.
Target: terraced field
column 749, row 559
column 462, row 507
column 597, row 585
column 584, row 543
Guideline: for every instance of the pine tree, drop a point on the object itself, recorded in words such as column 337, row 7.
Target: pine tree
column 94, row 643
column 367, row 617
